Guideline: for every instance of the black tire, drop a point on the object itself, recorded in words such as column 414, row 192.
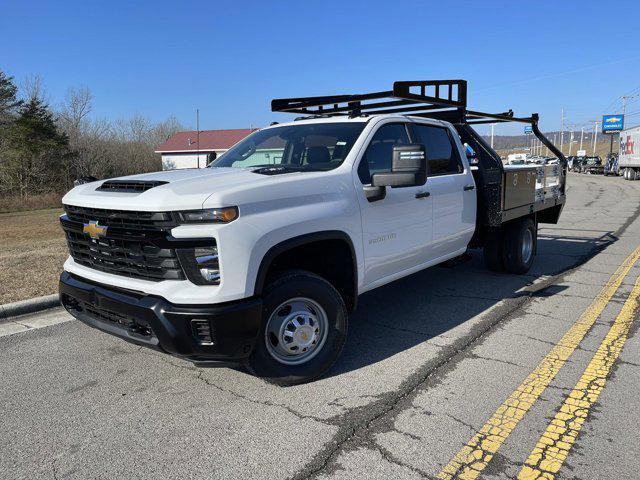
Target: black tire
column 514, row 238
column 296, row 284
column 492, row 251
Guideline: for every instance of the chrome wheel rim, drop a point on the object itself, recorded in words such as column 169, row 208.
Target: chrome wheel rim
column 296, row 331
column 527, row 246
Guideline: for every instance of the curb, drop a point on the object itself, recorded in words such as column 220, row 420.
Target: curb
column 31, row 305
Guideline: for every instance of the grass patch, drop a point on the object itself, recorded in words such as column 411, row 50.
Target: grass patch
column 14, row 203
column 32, row 251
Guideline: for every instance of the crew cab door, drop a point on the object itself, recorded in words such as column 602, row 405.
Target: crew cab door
column 397, row 230
column 452, row 188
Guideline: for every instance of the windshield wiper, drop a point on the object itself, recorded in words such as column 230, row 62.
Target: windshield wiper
column 284, row 168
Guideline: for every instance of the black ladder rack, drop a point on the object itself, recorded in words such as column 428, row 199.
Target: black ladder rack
column 441, row 99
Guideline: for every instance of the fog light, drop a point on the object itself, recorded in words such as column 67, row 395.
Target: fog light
column 210, row 275
column 202, row 331
column 200, row 264
column 207, row 261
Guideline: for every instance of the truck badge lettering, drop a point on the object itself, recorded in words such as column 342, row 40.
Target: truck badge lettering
column 382, row 238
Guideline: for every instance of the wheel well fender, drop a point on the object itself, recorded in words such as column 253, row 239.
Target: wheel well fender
column 281, row 255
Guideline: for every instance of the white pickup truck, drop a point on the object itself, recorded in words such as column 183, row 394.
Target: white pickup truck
column 258, row 259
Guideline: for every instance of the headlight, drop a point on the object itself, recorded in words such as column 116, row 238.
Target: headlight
column 211, row 215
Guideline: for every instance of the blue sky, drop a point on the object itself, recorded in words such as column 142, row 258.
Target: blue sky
column 229, row 58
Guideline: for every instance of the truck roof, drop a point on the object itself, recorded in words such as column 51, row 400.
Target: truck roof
column 358, row 119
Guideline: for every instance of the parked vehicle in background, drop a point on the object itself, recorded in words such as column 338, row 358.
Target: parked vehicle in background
column 573, row 163
column 537, row 160
column 578, row 163
column 629, row 154
column 592, row 166
column 611, row 165
column 517, row 158
column 258, row 263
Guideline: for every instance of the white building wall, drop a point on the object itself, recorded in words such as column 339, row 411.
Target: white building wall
column 173, row 161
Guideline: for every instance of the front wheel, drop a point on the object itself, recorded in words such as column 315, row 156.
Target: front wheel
column 304, row 328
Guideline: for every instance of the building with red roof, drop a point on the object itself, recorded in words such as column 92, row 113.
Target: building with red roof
column 193, row 149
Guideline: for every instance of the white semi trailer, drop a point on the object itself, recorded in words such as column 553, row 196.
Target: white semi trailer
column 629, row 157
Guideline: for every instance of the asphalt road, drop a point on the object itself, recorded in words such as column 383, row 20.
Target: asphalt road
column 453, row 372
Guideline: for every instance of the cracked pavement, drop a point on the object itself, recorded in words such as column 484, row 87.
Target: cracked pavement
column 428, row 360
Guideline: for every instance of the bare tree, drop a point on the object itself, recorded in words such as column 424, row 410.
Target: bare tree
column 162, row 131
column 75, row 109
column 33, row 88
column 97, row 147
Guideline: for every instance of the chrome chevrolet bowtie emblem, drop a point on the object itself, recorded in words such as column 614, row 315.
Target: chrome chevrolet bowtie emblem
column 94, row 230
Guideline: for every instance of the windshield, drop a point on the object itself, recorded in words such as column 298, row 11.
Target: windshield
column 320, row 146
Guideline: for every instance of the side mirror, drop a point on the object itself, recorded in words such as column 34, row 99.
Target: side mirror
column 408, row 168
column 211, row 157
column 83, row 180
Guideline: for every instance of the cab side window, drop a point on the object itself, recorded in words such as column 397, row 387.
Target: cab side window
column 377, row 157
column 442, row 154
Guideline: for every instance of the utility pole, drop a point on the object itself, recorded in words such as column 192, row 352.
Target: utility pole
column 581, row 136
column 595, row 136
column 624, row 101
column 561, row 130
column 492, row 125
column 531, row 148
column 198, row 136
column 570, row 141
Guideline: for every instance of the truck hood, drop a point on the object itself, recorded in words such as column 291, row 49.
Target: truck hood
column 185, row 189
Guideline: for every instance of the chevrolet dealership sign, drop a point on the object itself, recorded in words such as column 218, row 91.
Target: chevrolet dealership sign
column 612, row 123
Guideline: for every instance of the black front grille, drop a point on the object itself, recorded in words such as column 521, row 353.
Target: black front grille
column 156, row 221
column 134, row 244
column 129, row 186
column 130, row 258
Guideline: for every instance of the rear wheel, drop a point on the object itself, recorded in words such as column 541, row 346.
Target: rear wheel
column 633, row 175
column 520, row 246
column 304, row 329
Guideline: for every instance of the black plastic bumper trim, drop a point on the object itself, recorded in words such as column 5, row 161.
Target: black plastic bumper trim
column 235, row 325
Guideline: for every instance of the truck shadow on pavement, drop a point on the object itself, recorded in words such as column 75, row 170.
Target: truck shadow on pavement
column 422, row 306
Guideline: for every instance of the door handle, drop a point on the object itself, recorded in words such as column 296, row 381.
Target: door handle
column 422, row 194
column 469, row 187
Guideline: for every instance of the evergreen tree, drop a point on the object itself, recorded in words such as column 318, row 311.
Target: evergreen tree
column 36, row 153
column 9, row 103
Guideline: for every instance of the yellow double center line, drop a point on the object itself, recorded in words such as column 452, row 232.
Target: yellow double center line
column 474, row 457
column 554, row 444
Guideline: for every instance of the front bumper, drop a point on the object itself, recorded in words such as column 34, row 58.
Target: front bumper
column 154, row 322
